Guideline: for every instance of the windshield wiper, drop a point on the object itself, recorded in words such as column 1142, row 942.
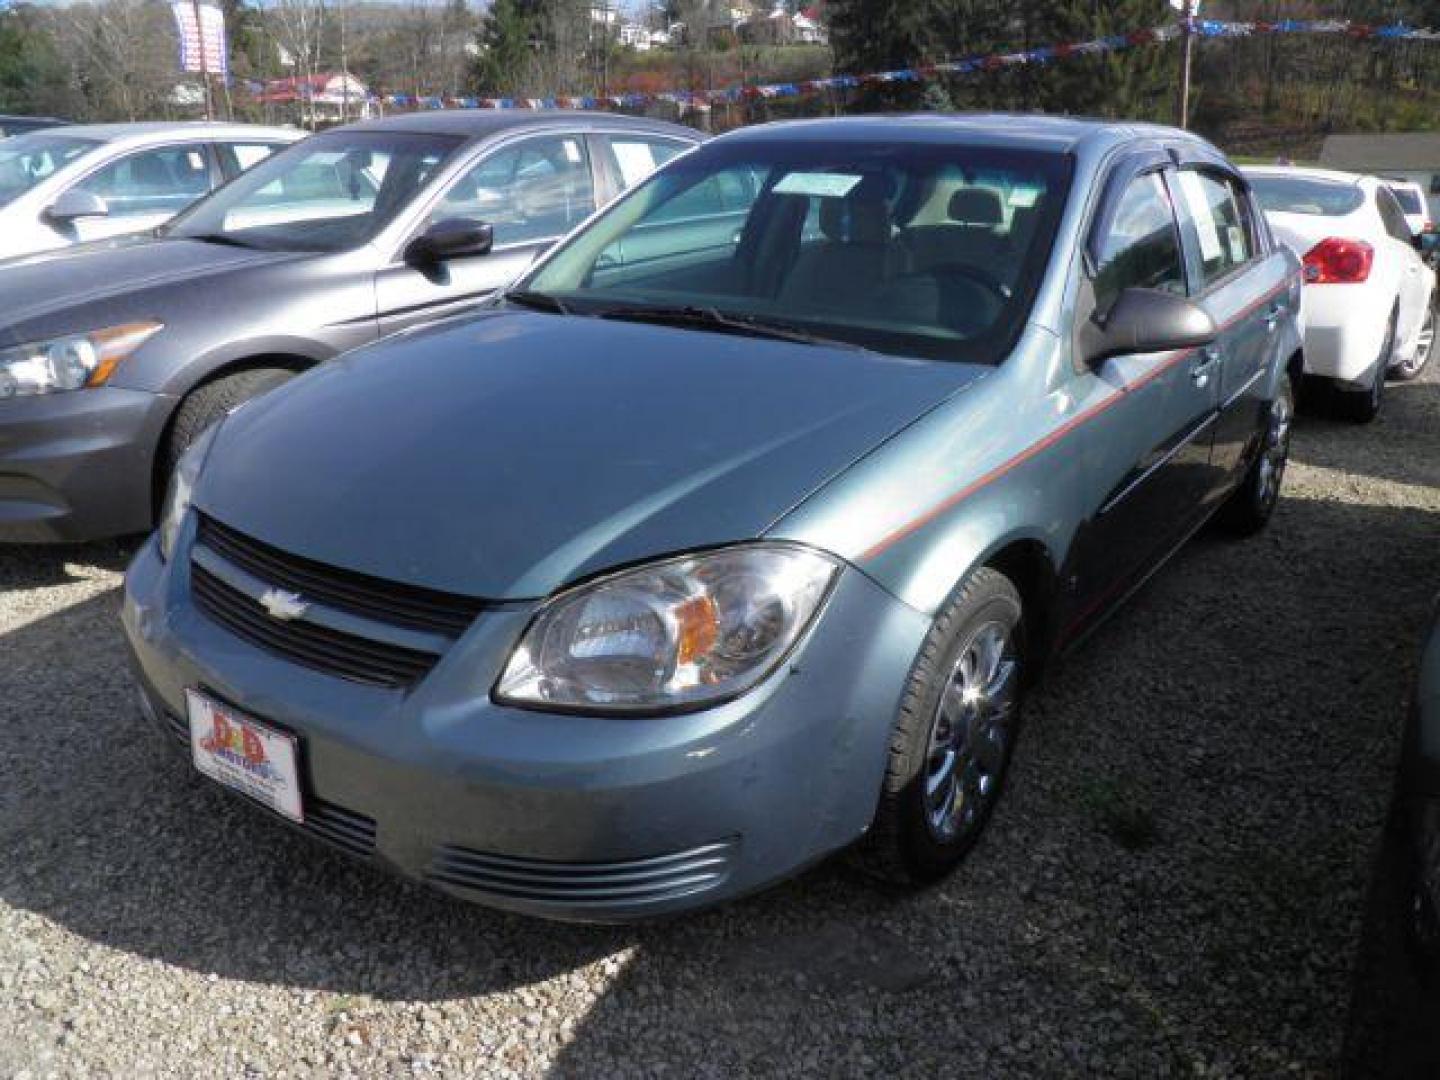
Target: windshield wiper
column 538, row 300
column 711, row 318
column 214, row 238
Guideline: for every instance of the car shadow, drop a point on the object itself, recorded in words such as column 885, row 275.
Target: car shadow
column 1173, row 879
column 1401, row 445
column 42, row 566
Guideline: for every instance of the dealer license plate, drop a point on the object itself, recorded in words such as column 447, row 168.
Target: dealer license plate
column 241, row 753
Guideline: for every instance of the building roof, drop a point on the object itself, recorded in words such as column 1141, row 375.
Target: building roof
column 1418, row 150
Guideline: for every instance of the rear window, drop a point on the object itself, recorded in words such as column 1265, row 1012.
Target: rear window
column 1306, row 195
column 1409, row 201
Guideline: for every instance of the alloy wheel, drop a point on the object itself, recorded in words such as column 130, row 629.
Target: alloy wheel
column 1416, row 361
column 1275, row 454
column 971, row 733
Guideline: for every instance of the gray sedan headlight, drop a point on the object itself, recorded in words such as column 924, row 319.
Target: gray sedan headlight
column 182, row 488
column 673, row 635
column 71, row 362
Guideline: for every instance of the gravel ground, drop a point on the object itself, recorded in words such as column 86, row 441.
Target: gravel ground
column 1174, row 885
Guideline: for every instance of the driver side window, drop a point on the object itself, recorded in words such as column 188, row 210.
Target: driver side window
column 1141, row 246
column 537, row 189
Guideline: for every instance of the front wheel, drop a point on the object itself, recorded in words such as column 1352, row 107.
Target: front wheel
column 951, row 745
column 207, row 404
column 1411, row 367
column 1251, row 505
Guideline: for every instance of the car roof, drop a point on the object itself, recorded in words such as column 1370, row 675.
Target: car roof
column 1017, row 130
column 483, row 123
column 156, row 129
column 1307, row 172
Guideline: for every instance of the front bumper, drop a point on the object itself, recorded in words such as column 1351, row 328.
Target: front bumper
column 582, row 818
column 78, row 466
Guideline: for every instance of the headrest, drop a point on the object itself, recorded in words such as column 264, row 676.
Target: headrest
column 976, row 206
column 855, row 221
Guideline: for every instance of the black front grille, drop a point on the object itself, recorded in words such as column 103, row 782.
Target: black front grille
column 362, row 660
column 585, row 885
column 389, row 602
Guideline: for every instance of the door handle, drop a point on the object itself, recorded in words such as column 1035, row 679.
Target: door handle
column 1272, row 317
column 1204, row 365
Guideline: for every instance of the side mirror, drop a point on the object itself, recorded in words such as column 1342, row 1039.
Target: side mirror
column 1146, row 321
column 75, row 204
column 452, row 238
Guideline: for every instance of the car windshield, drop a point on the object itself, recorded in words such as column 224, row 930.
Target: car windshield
column 27, row 160
column 331, row 192
column 1307, row 195
column 926, row 250
column 1408, row 199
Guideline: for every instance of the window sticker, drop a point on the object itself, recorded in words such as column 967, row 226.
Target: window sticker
column 636, row 160
column 572, row 151
column 1236, row 236
column 1193, row 188
column 822, row 185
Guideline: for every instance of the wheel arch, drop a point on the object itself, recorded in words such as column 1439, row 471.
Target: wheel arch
column 1029, row 565
column 293, row 361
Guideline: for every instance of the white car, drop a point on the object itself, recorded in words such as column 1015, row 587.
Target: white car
column 1413, row 203
column 1368, row 300
column 65, row 185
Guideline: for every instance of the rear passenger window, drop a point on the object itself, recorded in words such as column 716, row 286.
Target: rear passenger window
column 1393, row 216
column 1141, row 247
column 1222, row 223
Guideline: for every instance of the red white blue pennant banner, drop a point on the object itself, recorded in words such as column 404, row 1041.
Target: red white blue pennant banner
column 1208, row 28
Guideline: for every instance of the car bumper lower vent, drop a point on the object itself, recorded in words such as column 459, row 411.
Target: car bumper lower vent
column 634, row 882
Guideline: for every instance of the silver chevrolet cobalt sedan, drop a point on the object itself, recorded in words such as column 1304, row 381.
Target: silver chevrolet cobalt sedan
column 735, row 532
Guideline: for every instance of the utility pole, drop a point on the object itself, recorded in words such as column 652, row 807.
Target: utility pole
column 1188, row 10
column 204, row 63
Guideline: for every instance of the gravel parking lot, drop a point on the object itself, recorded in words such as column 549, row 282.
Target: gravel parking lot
column 1173, row 887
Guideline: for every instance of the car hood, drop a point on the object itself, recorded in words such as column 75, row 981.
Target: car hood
column 506, row 455
column 77, row 278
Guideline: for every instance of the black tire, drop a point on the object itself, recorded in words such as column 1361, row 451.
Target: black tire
column 1252, row 504
column 903, row 846
column 1363, row 406
column 1414, row 366
column 207, row 404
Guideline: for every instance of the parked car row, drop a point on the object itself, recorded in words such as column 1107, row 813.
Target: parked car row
column 637, row 571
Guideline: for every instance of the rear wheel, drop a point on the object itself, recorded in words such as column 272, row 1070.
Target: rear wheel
column 207, row 404
column 1363, row 406
column 951, row 745
column 1250, row 507
column 1419, row 359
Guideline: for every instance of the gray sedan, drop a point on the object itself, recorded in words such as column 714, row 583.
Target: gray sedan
column 733, row 533
column 114, row 356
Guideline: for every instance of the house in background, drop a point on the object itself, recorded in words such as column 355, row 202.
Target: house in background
column 1410, row 155
column 328, row 98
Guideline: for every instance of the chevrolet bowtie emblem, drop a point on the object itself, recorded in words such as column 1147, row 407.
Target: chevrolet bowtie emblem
column 284, row 605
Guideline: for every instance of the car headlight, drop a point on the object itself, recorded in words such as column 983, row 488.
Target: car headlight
column 71, row 362
column 182, row 489
column 670, row 636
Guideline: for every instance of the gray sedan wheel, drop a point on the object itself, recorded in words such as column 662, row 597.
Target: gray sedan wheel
column 207, row 404
column 951, row 746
